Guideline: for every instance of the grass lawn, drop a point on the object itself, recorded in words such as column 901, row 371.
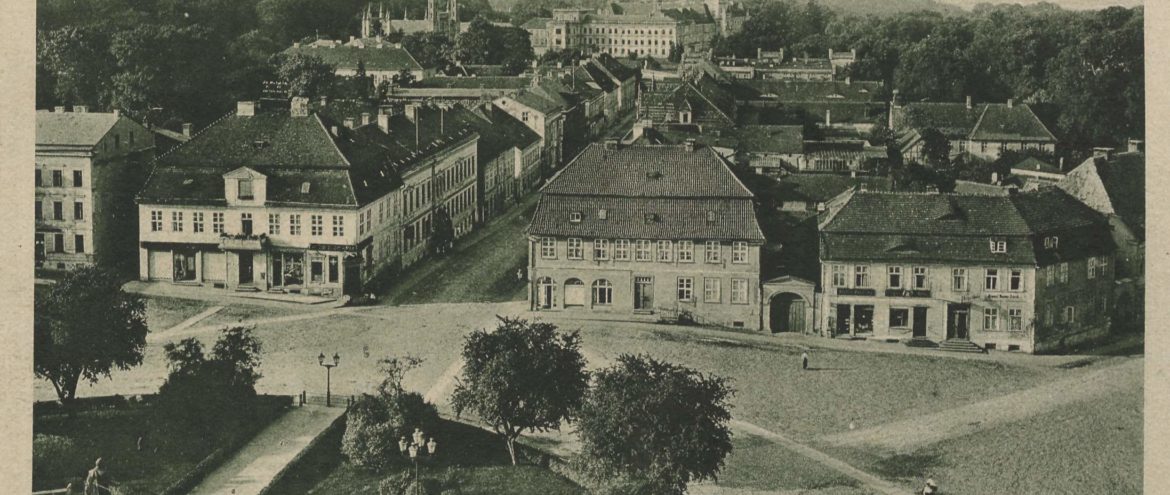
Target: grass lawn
column 165, row 312
column 112, row 435
column 235, row 312
column 482, row 267
column 474, row 457
column 759, row 464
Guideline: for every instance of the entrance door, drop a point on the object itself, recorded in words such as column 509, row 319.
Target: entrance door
column 920, row 322
column 957, row 321
column 353, row 275
column 787, row 313
column 277, row 271
column 184, row 266
column 643, row 293
column 544, row 293
column 843, row 319
column 39, row 248
column 245, row 261
column 863, row 316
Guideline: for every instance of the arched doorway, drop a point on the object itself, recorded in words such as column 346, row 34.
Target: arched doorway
column 545, row 293
column 574, row 292
column 787, row 313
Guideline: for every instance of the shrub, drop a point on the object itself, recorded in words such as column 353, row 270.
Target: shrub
column 54, row 454
column 376, row 423
column 395, row 484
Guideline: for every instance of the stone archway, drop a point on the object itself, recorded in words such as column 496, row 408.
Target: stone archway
column 788, row 313
column 788, row 305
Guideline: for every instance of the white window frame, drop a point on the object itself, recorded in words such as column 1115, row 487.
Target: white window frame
column 991, row 279
column 894, row 277
column 197, row 222
column 156, row 221
column 1062, row 273
column 548, row 248
column 217, row 222
column 338, row 226
column 686, row 289
column 1070, row 314
column 274, row 224
column 959, row 281
column 294, row 224
column 920, row 274
column 316, row 225
column 739, row 252
column 861, row 276
column 686, row 252
column 839, row 276
column 574, row 248
column 712, row 290
column 1015, row 320
column 998, row 246
column 643, row 250
column 176, row 221
column 665, row 252
column 991, row 319
column 711, row 255
column 601, row 249
column 739, row 295
column 1015, row 280
column 621, row 250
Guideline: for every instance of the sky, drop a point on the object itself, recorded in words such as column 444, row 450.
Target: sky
column 1068, row 4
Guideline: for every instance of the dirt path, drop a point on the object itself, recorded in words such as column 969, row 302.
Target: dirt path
column 910, row 434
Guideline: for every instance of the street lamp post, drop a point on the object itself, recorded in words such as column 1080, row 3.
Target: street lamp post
column 416, row 446
column 328, row 374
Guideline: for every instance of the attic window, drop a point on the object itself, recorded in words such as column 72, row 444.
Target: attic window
column 260, row 144
column 710, row 217
column 304, row 188
column 654, row 175
column 575, row 217
column 1051, row 242
column 601, row 214
column 651, row 217
column 998, row 245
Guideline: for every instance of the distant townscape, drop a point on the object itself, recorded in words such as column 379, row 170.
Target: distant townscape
column 918, row 211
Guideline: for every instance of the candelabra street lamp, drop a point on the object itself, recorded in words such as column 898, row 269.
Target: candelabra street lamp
column 415, row 447
column 328, row 372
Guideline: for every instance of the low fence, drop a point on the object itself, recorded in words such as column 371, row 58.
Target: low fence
column 331, row 400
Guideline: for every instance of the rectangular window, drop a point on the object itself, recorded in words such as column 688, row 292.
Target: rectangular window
column 274, row 224
column 686, row 288
column 176, row 221
column 899, row 317
column 621, row 250
column 920, row 279
column 1091, row 264
column 39, row 207
column 840, row 277
column 58, row 211
column 573, row 249
column 59, row 244
column 548, row 248
column 861, row 276
column 333, row 271
column 643, row 251
column 601, row 249
column 294, row 224
column 246, row 223
column 990, row 319
column 316, row 225
column 739, row 252
column 711, row 290
column 37, row 177
column 991, row 281
column 58, row 178
column 338, row 225
column 76, row 178
column 665, row 252
column 79, row 243
column 78, row 210
column 739, row 291
column 1070, row 314
column 895, row 273
column 712, row 252
column 998, row 246
column 686, row 251
column 1016, row 280
column 959, row 279
column 1049, row 275
column 155, row 221
column 245, row 189
column 1015, row 320
column 197, row 222
column 1063, row 273
column 217, row 222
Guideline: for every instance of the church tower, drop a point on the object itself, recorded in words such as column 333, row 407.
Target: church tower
column 367, row 22
column 453, row 15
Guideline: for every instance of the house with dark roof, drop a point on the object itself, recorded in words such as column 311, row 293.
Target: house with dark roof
column 1115, row 186
column 1035, row 172
column 509, row 157
column 88, row 166
column 836, row 102
column 1031, row 272
column 381, row 60
column 301, row 200
column 983, row 130
column 542, row 108
column 702, row 102
column 650, row 232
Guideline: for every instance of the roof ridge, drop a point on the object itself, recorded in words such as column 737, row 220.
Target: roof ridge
column 978, row 122
column 193, row 136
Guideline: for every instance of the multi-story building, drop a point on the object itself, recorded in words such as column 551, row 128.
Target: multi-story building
column 88, row 167
column 773, row 65
column 703, row 103
column 654, row 34
column 543, row 109
column 289, row 199
column 509, row 157
column 1029, row 271
column 983, row 130
column 663, row 231
column 382, row 61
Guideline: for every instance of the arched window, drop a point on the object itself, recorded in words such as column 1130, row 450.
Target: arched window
column 602, row 292
column 574, row 292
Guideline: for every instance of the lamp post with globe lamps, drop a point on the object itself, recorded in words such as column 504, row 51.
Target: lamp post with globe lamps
column 328, row 372
column 416, row 447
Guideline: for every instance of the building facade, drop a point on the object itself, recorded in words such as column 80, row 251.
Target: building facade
column 654, row 34
column 981, row 130
column 659, row 232
column 1029, row 272
column 543, row 110
column 88, row 167
column 380, row 60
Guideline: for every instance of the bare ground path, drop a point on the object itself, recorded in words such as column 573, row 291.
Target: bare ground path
column 910, row 434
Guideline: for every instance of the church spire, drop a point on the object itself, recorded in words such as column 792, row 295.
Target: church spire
column 366, row 22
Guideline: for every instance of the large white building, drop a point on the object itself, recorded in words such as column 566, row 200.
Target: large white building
column 654, row 34
column 294, row 200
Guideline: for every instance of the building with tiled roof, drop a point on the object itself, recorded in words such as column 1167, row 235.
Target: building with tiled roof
column 304, row 200
column 543, row 109
column 984, row 130
column 702, row 102
column 845, row 101
column 1115, row 185
column 88, row 165
column 651, row 34
column 665, row 231
column 774, row 66
column 1027, row 271
column 381, row 60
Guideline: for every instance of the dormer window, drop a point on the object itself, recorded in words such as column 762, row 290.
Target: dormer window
column 601, row 214
column 651, row 217
column 575, row 217
column 1051, row 242
column 998, row 246
column 710, row 217
column 245, row 189
column 304, row 188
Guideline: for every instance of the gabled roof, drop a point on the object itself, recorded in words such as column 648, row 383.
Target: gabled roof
column 819, row 188
column 1033, row 164
column 613, row 67
column 646, row 218
column 954, row 120
column 660, row 171
column 376, row 55
column 809, row 91
column 1113, row 186
column 489, row 82
column 1001, row 122
column 979, row 122
column 73, row 128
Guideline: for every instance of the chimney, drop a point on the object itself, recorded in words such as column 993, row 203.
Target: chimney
column 187, row 129
column 1135, row 145
column 640, row 128
column 848, row 80
column 384, row 122
column 117, row 113
column 995, row 178
column 324, row 100
column 853, row 175
column 246, row 108
column 299, row 107
column 59, row 109
column 1061, row 164
column 612, row 143
column 1103, row 152
column 412, row 111
column 365, row 118
column 296, row 44
column 80, row 109
column 970, row 105
column 351, row 38
column 830, row 54
column 349, row 122
column 691, row 144
column 828, row 117
column 1011, row 102
column 759, row 53
column 333, row 130
column 853, row 52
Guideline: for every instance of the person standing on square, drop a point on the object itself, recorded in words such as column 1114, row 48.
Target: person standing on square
column 804, row 360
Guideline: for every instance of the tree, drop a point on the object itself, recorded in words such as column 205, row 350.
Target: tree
column 375, row 423
column 936, row 148
column 663, row 424
column 306, row 75
column 86, row 327
column 403, row 79
column 77, row 58
column 431, row 50
column 523, row 376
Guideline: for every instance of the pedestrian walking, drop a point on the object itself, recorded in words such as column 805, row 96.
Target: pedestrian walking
column 804, row 360
column 97, row 482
